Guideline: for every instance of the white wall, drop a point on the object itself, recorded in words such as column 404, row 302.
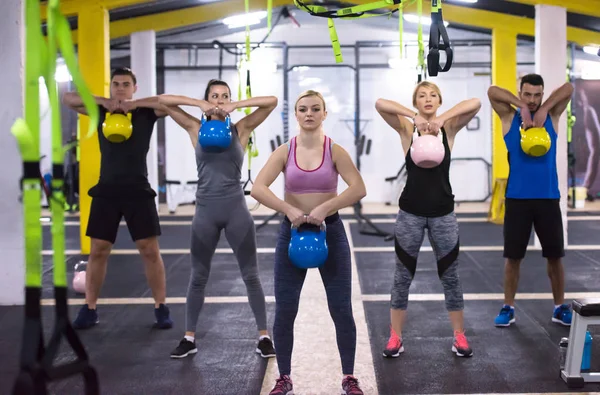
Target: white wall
column 12, row 242
column 470, row 179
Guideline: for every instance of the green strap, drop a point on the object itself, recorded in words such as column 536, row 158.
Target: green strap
column 354, row 12
column 40, row 61
column 436, row 5
column 269, row 14
column 251, row 147
column 27, row 133
column 247, row 6
column 335, row 43
column 401, row 29
column 56, row 198
column 421, row 54
column 571, row 119
column 63, row 35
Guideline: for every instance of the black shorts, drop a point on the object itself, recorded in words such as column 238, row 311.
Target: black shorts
column 545, row 216
column 140, row 215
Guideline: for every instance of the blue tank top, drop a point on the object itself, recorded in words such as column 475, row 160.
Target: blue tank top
column 531, row 177
column 219, row 174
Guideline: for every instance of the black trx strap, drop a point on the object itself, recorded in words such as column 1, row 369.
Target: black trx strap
column 435, row 45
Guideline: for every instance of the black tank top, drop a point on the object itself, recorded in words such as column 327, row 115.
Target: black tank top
column 428, row 192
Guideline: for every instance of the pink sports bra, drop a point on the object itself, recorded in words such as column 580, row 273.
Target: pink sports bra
column 323, row 179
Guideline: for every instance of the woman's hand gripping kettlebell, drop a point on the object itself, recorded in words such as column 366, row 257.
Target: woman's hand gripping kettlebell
column 296, row 216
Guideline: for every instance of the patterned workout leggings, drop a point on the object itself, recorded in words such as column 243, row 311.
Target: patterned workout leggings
column 443, row 236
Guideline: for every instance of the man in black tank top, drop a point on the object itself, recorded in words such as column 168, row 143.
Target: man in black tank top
column 427, row 202
column 123, row 190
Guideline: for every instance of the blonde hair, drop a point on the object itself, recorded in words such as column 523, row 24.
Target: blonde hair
column 426, row 84
column 309, row 93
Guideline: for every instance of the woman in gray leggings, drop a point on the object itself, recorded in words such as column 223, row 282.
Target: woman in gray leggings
column 221, row 205
column 427, row 202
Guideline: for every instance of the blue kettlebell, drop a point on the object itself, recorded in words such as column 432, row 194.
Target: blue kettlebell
column 308, row 248
column 215, row 135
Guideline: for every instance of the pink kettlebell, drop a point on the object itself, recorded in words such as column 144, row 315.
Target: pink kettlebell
column 427, row 151
column 79, row 277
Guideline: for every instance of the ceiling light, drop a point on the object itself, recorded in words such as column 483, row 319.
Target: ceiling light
column 425, row 20
column 62, row 73
column 590, row 49
column 242, row 20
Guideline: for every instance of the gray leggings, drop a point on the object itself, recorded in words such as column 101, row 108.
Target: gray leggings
column 210, row 218
column 443, row 236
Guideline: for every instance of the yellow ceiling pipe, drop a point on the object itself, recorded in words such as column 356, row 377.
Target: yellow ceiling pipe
column 584, row 7
column 72, row 7
column 218, row 10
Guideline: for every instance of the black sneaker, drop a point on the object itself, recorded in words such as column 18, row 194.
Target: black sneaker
column 184, row 349
column 265, row 348
column 86, row 318
column 162, row 317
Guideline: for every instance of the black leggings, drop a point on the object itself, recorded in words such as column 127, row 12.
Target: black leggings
column 337, row 278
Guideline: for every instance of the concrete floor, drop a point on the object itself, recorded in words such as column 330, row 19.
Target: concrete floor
column 132, row 358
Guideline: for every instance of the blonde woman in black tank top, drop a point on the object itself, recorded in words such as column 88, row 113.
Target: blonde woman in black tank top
column 427, row 202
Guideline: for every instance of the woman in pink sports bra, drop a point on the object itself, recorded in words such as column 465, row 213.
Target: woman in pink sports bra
column 311, row 163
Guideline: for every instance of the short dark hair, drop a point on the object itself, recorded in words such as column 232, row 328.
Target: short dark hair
column 124, row 71
column 215, row 82
column 532, row 79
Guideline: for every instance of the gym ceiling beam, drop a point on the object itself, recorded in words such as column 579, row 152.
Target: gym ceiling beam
column 72, row 7
column 583, row 7
column 460, row 15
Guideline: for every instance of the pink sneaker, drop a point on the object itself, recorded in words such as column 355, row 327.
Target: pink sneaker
column 350, row 386
column 283, row 386
column 460, row 345
column 394, row 347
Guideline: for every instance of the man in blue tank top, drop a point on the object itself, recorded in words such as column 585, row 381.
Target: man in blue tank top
column 532, row 193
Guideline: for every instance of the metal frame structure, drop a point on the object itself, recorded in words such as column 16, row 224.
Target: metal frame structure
column 194, row 48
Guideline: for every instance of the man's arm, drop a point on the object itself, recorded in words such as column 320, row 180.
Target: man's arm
column 147, row 102
column 502, row 101
column 74, row 102
column 557, row 102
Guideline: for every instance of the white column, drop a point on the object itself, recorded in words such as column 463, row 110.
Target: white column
column 12, row 242
column 143, row 64
column 551, row 64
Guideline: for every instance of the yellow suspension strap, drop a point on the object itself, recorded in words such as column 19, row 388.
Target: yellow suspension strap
column 251, row 147
column 401, row 25
column 269, row 14
column 358, row 11
column 437, row 31
column 571, row 119
column 421, row 51
column 570, row 116
column 36, row 360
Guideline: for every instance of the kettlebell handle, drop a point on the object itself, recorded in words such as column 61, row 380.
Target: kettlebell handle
column 204, row 119
column 523, row 130
column 323, row 227
column 109, row 114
